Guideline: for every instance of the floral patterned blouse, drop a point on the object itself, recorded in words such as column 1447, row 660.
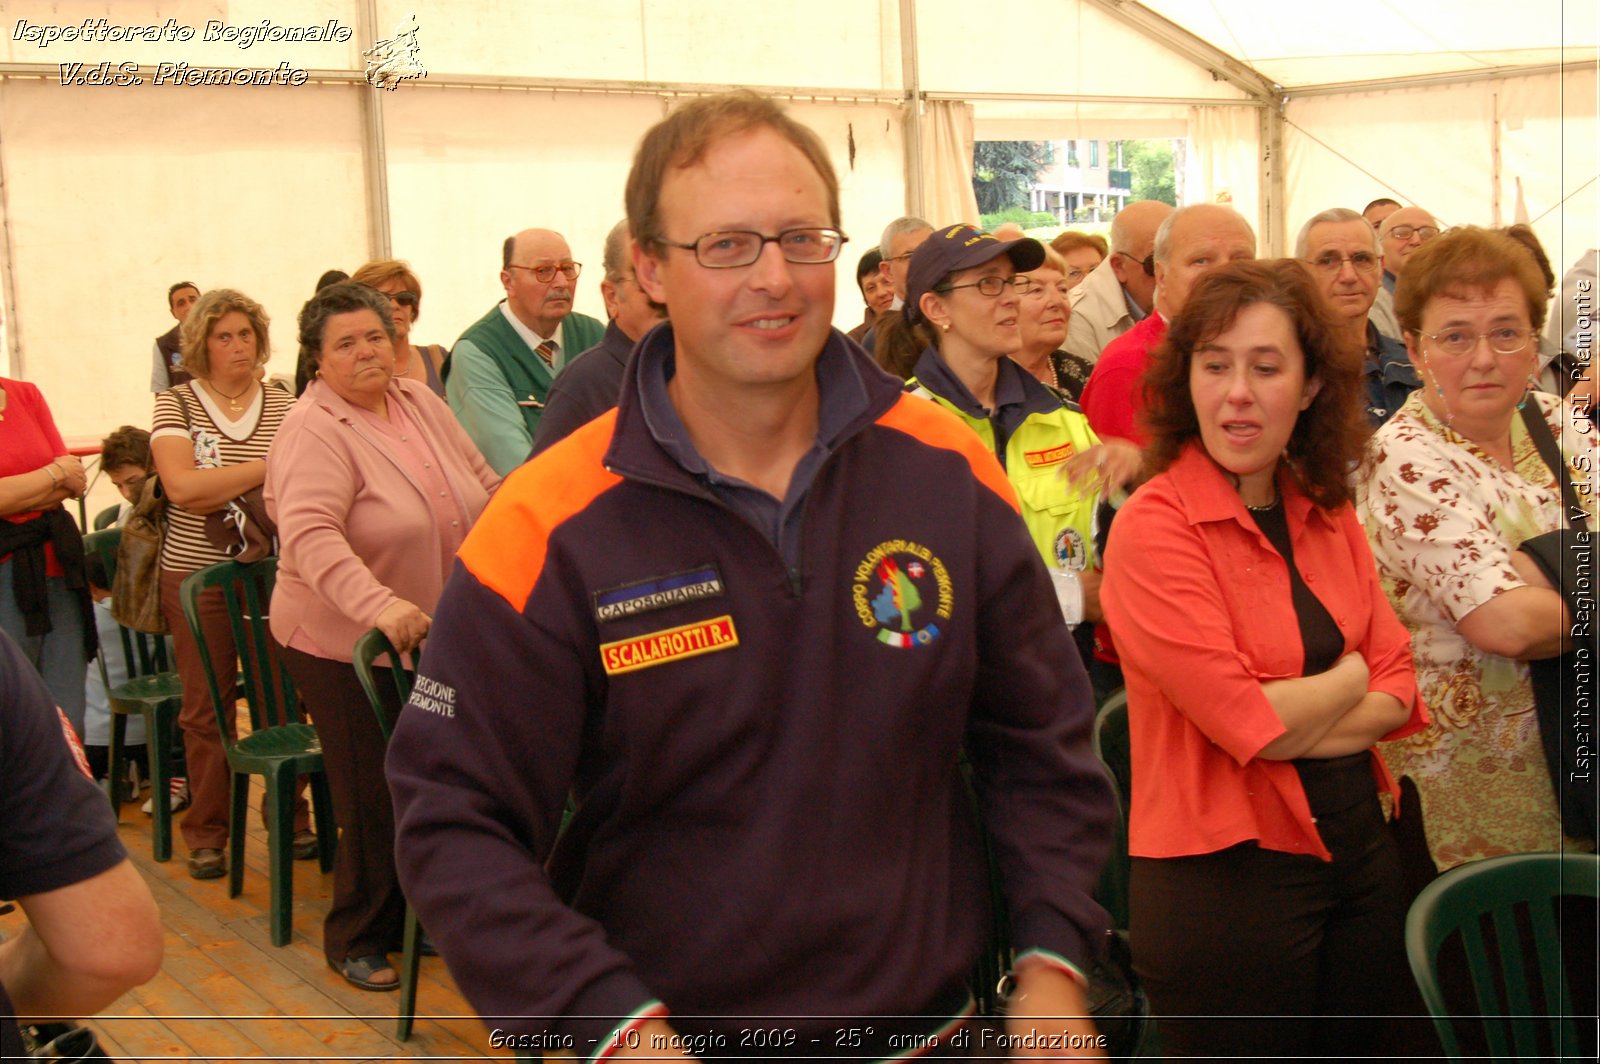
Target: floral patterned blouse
column 1444, row 518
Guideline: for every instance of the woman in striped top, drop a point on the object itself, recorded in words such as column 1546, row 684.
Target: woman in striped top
column 209, row 441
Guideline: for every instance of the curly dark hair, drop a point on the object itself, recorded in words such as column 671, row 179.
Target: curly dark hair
column 129, row 445
column 1328, row 436
column 342, row 298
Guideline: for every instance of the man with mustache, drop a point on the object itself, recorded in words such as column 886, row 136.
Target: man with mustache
column 498, row 376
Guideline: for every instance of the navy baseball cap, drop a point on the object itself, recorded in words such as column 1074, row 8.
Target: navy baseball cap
column 956, row 247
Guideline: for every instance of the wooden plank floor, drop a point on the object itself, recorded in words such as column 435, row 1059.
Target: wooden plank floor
column 225, row 993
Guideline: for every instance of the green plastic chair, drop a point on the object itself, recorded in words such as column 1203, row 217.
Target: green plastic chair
column 369, row 648
column 152, row 690
column 280, row 747
column 1457, row 904
column 106, row 518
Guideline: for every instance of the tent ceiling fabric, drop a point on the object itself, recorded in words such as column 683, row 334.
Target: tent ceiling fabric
column 1303, row 44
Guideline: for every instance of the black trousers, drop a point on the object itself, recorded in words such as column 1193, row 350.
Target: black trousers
column 1253, row 952
column 368, row 911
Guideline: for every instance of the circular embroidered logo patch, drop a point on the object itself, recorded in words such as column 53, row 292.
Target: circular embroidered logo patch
column 902, row 591
column 1070, row 553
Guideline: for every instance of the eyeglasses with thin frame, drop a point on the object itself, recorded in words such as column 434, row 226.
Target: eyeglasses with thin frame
column 1505, row 341
column 730, row 249
column 1404, row 232
column 990, row 286
column 547, row 273
column 1333, row 262
column 1148, row 263
column 1029, row 286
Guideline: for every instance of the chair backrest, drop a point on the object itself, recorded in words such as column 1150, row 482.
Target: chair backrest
column 369, row 648
column 142, row 654
column 106, row 518
column 1511, row 893
column 247, row 595
column 1110, row 739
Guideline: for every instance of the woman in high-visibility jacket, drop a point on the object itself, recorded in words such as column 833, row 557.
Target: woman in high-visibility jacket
column 965, row 295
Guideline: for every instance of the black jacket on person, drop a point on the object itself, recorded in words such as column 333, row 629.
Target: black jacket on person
column 24, row 542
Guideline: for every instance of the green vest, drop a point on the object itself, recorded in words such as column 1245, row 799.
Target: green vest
column 1060, row 520
column 523, row 370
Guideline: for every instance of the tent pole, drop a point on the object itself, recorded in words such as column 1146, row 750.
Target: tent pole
column 1273, row 183
column 911, row 77
column 8, row 276
column 375, row 153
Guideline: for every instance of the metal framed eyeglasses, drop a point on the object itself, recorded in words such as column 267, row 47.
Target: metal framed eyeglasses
column 730, row 249
column 990, row 286
column 1405, row 232
column 1333, row 262
column 1505, row 341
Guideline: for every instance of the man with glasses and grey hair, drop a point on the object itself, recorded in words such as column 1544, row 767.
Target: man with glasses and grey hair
column 900, row 238
column 1401, row 233
column 588, row 388
column 499, row 373
column 1342, row 249
column 749, row 621
column 1117, row 294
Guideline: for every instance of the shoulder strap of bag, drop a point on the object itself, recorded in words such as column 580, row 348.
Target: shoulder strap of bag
column 1545, row 441
column 188, row 415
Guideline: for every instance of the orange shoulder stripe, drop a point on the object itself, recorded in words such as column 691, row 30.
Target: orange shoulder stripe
column 506, row 548
column 927, row 421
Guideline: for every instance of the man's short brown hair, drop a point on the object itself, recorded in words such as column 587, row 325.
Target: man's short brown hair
column 682, row 138
column 1464, row 260
column 128, row 446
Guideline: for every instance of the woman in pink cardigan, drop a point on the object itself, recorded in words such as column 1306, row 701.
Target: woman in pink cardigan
column 373, row 486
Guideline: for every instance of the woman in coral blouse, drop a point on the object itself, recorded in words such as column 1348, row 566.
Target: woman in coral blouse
column 373, row 486
column 1262, row 663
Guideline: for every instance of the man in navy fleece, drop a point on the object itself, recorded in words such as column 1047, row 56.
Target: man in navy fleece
column 749, row 620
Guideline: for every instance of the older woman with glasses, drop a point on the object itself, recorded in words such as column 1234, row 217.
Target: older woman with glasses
column 1456, row 482
column 962, row 302
column 413, row 361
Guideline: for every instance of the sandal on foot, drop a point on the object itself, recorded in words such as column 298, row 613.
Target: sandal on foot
column 304, row 844
column 358, row 971
column 207, row 863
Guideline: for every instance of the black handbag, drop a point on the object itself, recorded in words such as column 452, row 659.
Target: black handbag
column 1556, row 689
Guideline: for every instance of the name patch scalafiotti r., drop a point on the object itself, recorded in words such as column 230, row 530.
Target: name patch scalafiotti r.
column 671, row 644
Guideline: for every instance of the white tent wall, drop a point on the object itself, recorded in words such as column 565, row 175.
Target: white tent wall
column 1436, row 146
column 529, row 115
column 111, row 198
column 469, row 167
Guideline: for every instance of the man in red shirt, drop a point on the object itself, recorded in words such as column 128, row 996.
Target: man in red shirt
column 1190, row 242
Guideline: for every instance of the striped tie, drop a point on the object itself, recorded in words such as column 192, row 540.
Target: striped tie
column 547, row 351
